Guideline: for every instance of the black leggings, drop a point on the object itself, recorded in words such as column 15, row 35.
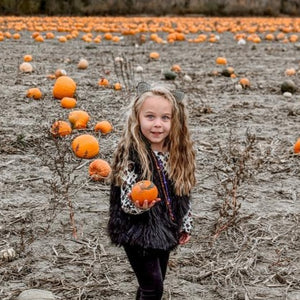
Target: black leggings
column 150, row 270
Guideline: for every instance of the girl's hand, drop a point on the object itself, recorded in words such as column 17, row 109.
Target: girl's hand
column 184, row 238
column 145, row 205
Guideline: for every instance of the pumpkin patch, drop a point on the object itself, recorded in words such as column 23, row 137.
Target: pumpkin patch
column 43, row 175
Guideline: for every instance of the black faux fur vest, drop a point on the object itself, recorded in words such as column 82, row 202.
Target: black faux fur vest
column 154, row 228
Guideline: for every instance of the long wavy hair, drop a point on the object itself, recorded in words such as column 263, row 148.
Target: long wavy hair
column 181, row 163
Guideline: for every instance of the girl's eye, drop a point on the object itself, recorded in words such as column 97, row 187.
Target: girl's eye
column 150, row 117
column 166, row 118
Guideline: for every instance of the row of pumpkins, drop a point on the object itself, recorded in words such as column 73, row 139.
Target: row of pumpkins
column 84, row 146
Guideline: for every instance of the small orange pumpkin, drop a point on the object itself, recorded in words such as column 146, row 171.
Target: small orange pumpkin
column 16, row 36
column 27, row 58
column 297, row 147
column 144, row 190
column 85, row 146
column 154, row 55
column 176, row 68
column 108, row 36
column 290, row 72
column 60, row 128
column 103, row 82
column 99, row 169
column 64, row 86
column 79, row 119
column 68, row 102
column 34, row 93
column 221, row 61
column 117, row 86
column 244, row 82
column 39, row 39
column 104, row 127
column 50, row 35
column 62, row 39
column 116, row 39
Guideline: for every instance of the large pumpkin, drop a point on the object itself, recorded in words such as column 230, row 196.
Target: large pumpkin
column 144, row 190
column 64, row 86
column 85, row 146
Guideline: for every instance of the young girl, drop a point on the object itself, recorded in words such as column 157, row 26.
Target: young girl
column 156, row 146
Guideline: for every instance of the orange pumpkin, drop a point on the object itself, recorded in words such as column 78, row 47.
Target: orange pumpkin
column 99, row 169
column 144, row 190
column 85, row 146
column 154, row 55
column 34, row 93
column 68, row 102
column 176, row 68
column 116, row 39
column 290, row 72
column 103, row 82
column 64, row 86
column 221, row 61
column 244, row 82
column 16, row 36
column 297, row 147
column 103, row 126
column 79, row 119
column 39, row 39
column 50, row 35
column 108, row 36
column 60, row 128
column 27, row 58
column 62, row 39
column 117, row 86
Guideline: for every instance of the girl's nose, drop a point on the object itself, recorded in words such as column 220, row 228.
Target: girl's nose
column 157, row 122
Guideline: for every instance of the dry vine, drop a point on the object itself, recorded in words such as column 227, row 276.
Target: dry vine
column 237, row 164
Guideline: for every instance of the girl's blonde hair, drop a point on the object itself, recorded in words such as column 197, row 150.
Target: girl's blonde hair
column 181, row 164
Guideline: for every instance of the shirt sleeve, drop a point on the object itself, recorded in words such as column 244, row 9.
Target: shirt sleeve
column 187, row 224
column 127, row 205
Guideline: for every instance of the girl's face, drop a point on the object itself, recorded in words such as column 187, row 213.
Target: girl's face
column 155, row 120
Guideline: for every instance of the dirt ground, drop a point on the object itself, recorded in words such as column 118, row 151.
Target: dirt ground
column 258, row 257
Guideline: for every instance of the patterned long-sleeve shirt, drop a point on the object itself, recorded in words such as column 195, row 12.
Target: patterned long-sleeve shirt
column 130, row 178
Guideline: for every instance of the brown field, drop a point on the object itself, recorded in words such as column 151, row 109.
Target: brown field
column 257, row 257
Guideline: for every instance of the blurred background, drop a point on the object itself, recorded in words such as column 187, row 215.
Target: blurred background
column 272, row 8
